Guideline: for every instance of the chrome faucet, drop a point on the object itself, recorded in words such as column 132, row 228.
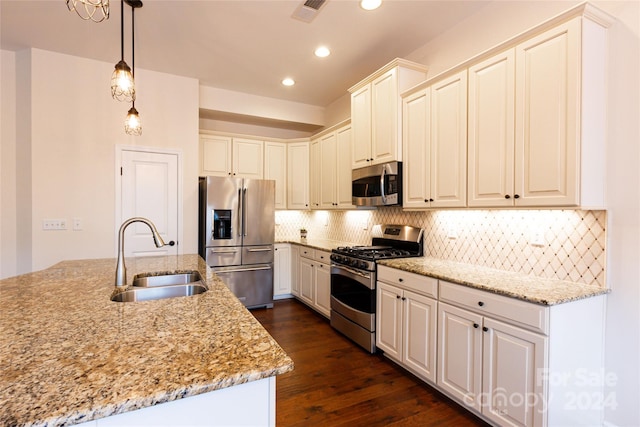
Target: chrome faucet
column 121, row 269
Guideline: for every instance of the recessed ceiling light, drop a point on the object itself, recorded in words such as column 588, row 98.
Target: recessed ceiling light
column 322, row 52
column 370, row 4
column 288, row 81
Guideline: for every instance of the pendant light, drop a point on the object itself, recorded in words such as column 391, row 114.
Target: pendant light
column 94, row 10
column 133, row 124
column 122, row 84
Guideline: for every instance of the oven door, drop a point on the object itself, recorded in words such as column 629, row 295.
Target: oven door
column 353, row 295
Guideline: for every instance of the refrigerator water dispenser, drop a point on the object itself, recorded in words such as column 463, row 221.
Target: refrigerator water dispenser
column 221, row 224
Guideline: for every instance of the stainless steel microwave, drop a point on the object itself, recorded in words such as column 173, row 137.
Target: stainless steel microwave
column 377, row 185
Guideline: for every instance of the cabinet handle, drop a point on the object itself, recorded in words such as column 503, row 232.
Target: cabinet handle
column 397, row 296
column 431, row 200
column 480, row 303
column 484, row 328
column 517, row 196
column 401, row 280
column 506, row 196
column 475, row 325
column 403, row 299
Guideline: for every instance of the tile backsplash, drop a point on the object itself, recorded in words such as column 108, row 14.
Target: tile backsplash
column 559, row 244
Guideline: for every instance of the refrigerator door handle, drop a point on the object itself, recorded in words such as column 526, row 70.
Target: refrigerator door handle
column 236, row 270
column 239, row 212
column 244, row 211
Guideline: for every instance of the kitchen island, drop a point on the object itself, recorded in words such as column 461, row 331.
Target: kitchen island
column 71, row 355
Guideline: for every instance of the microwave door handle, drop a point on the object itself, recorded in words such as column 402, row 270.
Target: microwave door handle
column 384, row 197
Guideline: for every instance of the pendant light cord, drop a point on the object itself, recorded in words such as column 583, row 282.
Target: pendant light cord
column 133, row 49
column 122, row 30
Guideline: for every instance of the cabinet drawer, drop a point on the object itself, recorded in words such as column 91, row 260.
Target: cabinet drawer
column 306, row 252
column 322, row 257
column 531, row 316
column 424, row 285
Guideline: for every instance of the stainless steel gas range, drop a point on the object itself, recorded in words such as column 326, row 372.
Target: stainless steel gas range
column 353, row 280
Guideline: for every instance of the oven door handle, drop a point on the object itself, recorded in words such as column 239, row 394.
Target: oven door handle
column 354, row 274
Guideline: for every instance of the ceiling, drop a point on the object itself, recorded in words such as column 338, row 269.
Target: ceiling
column 243, row 46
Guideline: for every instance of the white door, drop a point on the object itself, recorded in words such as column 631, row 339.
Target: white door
column 149, row 189
column 419, row 340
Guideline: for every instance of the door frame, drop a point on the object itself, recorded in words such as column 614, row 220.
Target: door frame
column 118, row 188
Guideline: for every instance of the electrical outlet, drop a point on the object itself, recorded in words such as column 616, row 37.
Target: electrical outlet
column 536, row 238
column 54, row 224
column 452, row 232
column 77, row 224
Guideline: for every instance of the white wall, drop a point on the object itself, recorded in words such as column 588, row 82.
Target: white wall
column 507, row 19
column 67, row 128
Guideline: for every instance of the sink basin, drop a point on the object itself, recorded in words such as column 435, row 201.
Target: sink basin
column 159, row 292
column 150, row 280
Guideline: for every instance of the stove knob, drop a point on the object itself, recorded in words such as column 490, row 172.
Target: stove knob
column 354, row 262
column 334, row 257
column 363, row 265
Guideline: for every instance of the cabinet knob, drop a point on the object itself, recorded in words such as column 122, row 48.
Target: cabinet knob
column 431, row 200
column 475, row 325
column 401, row 280
column 426, row 200
column 517, row 196
column 506, row 196
column 403, row 298
column 480, row 303
column 484, row 328
column 397, row 296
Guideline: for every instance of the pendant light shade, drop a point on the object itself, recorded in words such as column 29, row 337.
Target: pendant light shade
column 133, row 124
column 94, row 10
column 122, row 84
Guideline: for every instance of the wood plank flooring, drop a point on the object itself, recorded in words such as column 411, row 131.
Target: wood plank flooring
column 335, row 383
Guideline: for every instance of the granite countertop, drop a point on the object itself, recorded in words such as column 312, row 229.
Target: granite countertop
column 527, row 288
column 70, row 355
column 322, row 244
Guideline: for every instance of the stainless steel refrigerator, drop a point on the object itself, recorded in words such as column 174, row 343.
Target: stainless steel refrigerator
column 237, row 226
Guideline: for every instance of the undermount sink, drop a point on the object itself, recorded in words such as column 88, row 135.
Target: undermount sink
column 150, row 280
column 159, row 292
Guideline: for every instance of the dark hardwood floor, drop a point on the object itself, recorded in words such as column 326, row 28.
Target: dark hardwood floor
column 335, row 383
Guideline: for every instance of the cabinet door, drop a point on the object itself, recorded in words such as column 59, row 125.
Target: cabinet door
column 298, row 175
column 384, row 117
column 215, row 155
column 361, row 125
column 547, row 117
column 281, row 270
column 416, row 145
column 512, row 360
column 295, row 270
column 327, row 171
column 275, row 167
column 323, row 289
column 343, row 162
column 419, row 334
column 306, row 274
column 449, row 141
column 314, row 175
column 389, row 320
column 491, row 131
column 248, row 158
column 460, row 354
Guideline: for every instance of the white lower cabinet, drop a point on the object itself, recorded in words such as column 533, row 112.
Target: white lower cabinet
column 512, row 362
column 295, row 270
column 315, row 280
column 406, row 320
column 282, row 271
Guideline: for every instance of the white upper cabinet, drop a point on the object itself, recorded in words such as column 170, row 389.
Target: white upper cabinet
column 327, row 171
column 275, row 168
column 343, row 163
column 376, row 112
column 215, row 155
column 449, row 141
column 491, row 131
column 298, row 175
column 536, row 121
column 314, row 174
column 231, row 156
column 248, row 155
column 435, row 144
